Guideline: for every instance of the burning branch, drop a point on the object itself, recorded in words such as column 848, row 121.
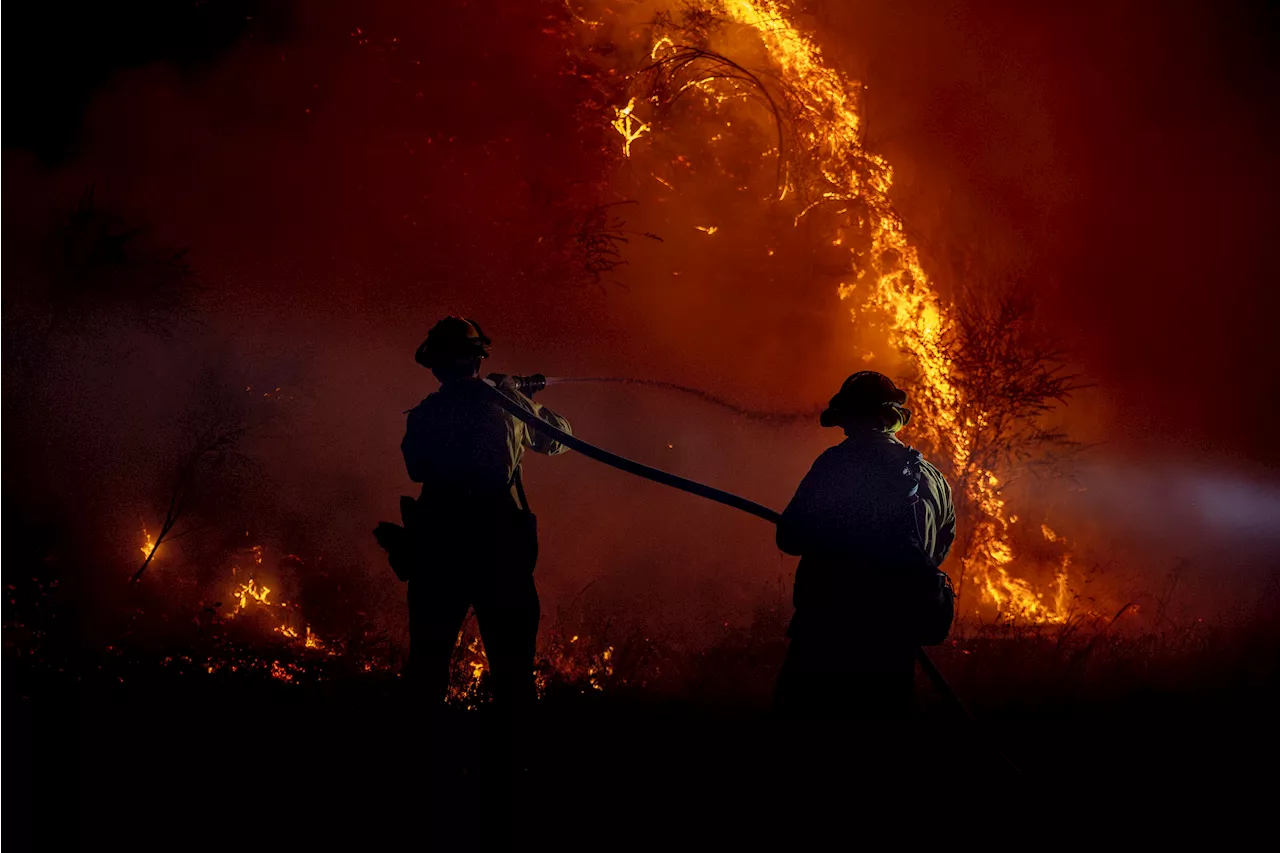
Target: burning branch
column 227, row 410
column 683, row 68
column 209, row 449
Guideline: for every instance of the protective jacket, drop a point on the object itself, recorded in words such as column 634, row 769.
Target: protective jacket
column 459, row 444
column 868, row 507
column 476, row 545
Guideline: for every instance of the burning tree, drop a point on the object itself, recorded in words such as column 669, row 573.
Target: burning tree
column 982, row 384
column 1011, row 380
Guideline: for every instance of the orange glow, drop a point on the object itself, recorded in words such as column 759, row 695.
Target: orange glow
column 889, row 281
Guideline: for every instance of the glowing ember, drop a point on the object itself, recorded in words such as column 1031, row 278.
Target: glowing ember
column 575, row 662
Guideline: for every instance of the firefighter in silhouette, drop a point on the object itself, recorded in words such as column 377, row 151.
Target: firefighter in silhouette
column 869, row 520
column 476, row 540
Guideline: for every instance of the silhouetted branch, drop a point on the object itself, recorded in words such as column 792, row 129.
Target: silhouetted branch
column 684, row 68
column 1013, row 378
column 208, row 450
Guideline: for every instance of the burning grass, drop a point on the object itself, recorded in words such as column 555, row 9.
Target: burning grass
column 153, row 695
column 1002, row 668
column 250, row 637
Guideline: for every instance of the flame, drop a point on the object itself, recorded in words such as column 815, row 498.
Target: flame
column 893, row 283
column 311, row 641
column 575, row 662
column 258, row 596
column 148, row 545
column 469, row 690
column 250, row 591
column 590, row 668
column 627, row 123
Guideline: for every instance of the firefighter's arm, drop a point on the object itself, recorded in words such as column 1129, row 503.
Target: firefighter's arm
column 799, row 520
column 533, row 439
column 538, row 441
column 946, row 527
column 788, row 538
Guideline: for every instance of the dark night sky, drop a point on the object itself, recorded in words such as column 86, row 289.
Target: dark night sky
column 334, row 193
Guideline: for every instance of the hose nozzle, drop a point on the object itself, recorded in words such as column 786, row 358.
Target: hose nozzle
column 526, row 385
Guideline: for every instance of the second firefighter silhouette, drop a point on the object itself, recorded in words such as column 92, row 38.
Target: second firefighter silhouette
column 871, row 521
column 476, row 540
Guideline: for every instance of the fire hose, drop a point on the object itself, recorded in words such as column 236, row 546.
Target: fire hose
column 693, row 487
column 630, row 466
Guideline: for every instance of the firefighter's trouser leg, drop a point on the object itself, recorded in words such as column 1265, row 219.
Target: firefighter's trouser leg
column 436, row 613
column 508, row 613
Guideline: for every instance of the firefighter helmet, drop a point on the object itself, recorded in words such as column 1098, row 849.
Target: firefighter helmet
column 865, row 393
column 451, row 340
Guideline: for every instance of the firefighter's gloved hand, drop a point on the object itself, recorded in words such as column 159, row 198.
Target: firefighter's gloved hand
column 504, row 382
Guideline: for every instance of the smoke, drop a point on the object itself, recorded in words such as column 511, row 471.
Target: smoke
column 1235, row 507
column 351, row 173
column 1172, row 501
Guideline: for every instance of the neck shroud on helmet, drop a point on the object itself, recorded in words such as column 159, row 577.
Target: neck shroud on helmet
column 867, row 399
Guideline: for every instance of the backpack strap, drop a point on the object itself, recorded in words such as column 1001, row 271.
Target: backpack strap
column 915, row 460
column 519, row 483
column 913, row 469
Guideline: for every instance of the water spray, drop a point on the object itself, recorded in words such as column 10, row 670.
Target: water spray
column 533, row 383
